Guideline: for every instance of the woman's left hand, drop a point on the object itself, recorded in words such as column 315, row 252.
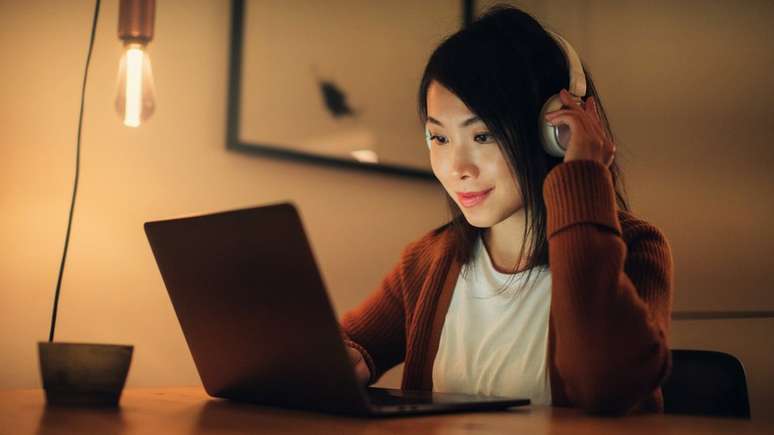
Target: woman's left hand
column 588, row 139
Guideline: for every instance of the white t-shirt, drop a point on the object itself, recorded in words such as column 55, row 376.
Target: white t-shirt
column 496, row 344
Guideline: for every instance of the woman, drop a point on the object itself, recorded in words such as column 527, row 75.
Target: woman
column 543, row 284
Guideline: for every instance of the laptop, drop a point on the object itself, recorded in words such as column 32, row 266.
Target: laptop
column 257, row 319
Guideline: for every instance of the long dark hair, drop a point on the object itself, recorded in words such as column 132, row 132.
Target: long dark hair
column 504, row 66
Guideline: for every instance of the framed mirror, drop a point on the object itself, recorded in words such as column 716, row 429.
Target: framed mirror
column 335, row 82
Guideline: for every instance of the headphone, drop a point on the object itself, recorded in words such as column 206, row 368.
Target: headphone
column 554, row 137
column 555, row 143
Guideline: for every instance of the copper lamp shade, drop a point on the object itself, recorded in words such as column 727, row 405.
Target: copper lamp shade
column 135, row 20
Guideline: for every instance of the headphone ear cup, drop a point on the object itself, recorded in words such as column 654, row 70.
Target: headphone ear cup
column 549, row 134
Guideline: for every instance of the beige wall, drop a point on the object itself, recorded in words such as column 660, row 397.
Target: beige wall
column 684, row 84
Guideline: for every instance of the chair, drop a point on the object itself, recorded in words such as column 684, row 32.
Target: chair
column 706, row 382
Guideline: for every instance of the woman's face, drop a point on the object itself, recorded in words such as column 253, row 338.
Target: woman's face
column 467, row 160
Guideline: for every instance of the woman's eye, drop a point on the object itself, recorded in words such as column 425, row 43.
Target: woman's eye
column 441, row 139
column 487, row 137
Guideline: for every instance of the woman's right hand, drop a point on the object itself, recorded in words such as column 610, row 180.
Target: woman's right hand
column 361, row 368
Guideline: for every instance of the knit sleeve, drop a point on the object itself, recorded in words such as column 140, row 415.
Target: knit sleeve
column 611, row 300
column 376, row 327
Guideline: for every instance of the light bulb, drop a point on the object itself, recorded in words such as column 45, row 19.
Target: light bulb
column 136, row 96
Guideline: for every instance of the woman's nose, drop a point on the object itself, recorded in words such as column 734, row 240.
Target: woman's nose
column 463, row 163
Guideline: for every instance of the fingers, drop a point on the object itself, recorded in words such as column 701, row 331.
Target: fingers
column 593, row 110
column 589, row 137
column 587, row 117
column 572, row 118
column 591, row 107
column 569, row 101
column 564, row 116
column 596, row 124
column 354, row 355
column 591, row 103
column 361, row 368
column 362, row 374
column 556, row 113
column 570, row 105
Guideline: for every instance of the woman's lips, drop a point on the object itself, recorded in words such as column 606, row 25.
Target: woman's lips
column 471, row 199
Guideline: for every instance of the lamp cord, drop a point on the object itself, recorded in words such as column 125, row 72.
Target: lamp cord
column 77, row 172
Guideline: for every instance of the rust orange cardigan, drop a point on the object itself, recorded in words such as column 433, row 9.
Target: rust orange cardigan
column 610, row 306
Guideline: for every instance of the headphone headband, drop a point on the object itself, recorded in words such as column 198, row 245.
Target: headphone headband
column 577, row 77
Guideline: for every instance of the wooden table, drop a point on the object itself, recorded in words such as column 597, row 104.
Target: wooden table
column 190, row 411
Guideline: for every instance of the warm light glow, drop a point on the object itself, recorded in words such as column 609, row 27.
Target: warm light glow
column 365, row 156
column 135, row 101
column 134, row 58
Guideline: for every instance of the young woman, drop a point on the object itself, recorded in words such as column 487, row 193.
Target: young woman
column 543, row 284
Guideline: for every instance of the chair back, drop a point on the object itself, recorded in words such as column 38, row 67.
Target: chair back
column 704, row 382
